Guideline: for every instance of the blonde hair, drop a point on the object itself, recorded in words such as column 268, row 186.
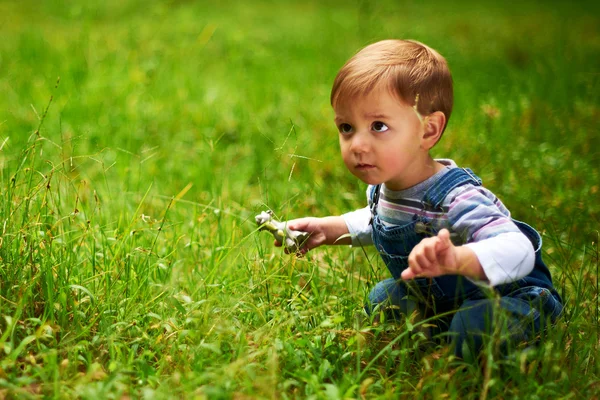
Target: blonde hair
column 414, row 72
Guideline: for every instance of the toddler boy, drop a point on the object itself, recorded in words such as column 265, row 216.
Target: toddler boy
column 444, row 237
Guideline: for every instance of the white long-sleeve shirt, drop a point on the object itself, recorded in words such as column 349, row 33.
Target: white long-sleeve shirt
column 474, row 216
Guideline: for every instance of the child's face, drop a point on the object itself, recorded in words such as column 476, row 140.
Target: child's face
column 380, row 139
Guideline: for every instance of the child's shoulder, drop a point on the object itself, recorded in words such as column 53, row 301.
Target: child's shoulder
column 470, row 195
column 466, row 189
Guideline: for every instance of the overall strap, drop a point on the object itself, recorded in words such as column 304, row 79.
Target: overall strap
column 435, row 195
column 374, row 196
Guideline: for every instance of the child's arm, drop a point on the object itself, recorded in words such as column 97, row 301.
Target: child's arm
column 323, row 231
column 502, row 252
column 437, row 256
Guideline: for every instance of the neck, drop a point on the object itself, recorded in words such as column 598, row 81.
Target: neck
column 421, row 172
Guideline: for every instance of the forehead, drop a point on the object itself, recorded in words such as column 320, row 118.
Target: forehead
column 379, row 101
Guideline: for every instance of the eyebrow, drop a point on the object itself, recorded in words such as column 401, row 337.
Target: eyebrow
column 376, row 116
column 337, row 120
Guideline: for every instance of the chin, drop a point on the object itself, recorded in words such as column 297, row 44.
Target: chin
column 368, row 181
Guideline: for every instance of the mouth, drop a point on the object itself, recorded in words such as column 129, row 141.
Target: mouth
column 364, row 167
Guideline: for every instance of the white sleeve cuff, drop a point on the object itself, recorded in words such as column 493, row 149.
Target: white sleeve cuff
column 358, row 223
column 505, row 258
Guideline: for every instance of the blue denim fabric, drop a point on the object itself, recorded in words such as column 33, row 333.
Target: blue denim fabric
column 521, row 315
column 522, row 308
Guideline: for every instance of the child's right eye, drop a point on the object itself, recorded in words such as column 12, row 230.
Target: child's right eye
column 345, row 128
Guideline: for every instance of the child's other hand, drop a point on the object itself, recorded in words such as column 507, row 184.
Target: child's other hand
column 311, row 225
column 433, row 257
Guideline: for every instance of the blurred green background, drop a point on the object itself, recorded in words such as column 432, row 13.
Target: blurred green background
column 207, row 92
column 110, row 110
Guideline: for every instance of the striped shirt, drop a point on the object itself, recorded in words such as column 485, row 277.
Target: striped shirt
column 473, row 215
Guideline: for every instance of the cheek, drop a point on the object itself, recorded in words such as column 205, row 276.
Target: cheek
column 390, row 159
column 343, row 148
column 346, row 155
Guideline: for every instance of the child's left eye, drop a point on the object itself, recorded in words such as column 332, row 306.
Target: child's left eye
column 379, row 126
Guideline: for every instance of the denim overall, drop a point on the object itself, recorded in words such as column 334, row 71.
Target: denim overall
column 527, row 305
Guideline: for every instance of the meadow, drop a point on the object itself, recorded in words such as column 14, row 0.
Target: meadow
column 138, row 140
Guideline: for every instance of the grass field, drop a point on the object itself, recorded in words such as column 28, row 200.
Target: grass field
column 139, row 139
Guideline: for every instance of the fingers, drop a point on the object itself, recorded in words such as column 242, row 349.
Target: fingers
column 408, row 274
column 314, row 239
column 423, row 259
column 288, row 250
column 298, row 224
column 431, row 257
column 299, row 253
column 444, row 240
column 425, row 251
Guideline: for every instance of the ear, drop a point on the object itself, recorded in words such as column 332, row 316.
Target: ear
column 433, row 128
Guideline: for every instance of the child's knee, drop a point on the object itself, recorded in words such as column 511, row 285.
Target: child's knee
column 382, row 293
column 390, row 297
column 469, row 328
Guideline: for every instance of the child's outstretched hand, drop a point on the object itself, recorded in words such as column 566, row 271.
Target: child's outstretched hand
column 310, row 225
column 437, row 256
column 326, row 230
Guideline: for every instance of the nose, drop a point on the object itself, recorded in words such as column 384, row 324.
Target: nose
column 359, row 143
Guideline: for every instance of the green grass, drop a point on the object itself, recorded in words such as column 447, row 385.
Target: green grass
column 130, row 265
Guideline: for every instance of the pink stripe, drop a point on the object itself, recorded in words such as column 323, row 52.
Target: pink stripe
column 497, row 222
column 501, row 207
column 466, row 195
